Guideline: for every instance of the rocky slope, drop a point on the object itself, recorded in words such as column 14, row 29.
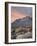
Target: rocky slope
column 21, row 27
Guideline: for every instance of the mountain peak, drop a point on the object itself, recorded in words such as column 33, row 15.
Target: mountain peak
column 26, row 21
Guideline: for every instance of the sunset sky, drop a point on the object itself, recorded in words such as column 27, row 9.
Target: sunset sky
column 20, row 12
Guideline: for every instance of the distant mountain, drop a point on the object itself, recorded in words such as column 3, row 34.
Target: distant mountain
column 26, row 21
column 21, row 28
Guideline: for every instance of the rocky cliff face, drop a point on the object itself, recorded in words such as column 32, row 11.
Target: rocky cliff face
column 21, row 27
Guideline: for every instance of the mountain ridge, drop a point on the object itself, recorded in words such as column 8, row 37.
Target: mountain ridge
column 24, row 21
